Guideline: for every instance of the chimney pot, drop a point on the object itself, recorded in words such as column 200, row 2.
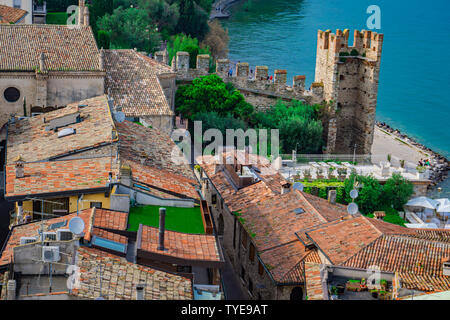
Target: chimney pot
column 332, row 196
column 162, row 226
column 285, row 188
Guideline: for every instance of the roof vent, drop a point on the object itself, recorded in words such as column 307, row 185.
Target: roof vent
column 66, row 132
column 50, row 254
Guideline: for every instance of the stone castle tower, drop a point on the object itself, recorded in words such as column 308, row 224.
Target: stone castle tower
column 350, row 81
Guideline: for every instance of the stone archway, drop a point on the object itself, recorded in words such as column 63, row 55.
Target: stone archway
column 221, row 225
column 297, row 293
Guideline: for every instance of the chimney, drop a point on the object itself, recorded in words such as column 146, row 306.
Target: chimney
column 42, row 65
column 162, row 226
column 446, row 266
column 19, row 164
column 140, row 291
column 379, row 215
column 86, row 16
column 11, row 290
column 102, row 59
column 332, row 196
column 285, row 188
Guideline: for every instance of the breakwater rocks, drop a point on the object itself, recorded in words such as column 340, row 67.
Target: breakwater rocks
column 439, row 164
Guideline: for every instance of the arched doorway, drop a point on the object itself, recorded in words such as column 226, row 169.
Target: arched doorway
column 221, row 225
column 297, row 293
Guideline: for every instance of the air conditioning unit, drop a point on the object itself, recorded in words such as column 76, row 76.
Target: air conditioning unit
column 27, row 240
column 48, row 236
column 64, row 235
column 446, row 268
column 50, row 254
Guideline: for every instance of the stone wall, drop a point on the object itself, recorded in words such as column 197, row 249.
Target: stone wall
column 54, row 89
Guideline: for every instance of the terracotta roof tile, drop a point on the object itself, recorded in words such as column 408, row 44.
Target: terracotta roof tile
column 181, row 245
column 132, row 81
column 110, row 219
column 10, row 14
column 60, row 176
column 65, row 48
column 109, row 235
column 119, row 278
column 30, row 139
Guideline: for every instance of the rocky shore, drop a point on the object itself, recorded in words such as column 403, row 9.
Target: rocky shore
column 439, row 164
column 220, row 9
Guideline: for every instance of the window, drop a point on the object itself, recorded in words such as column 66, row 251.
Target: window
column 214, row 199
column 17, row 4
column 251, row 253
column 11, row 94
column 184, row 269
column 96, row 204
column 260, row 269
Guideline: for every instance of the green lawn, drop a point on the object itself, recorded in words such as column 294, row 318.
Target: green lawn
column 188, row 220
column 57, row 18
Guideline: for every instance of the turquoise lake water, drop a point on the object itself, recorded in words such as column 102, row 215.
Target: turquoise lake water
column 414, row 86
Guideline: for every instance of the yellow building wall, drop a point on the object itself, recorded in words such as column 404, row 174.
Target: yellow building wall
column 86, row 201
column 96, row 197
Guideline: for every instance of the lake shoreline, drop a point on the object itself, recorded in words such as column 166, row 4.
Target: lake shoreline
column 439, row 163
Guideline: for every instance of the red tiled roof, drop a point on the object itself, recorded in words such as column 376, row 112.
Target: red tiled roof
column 59, row 176
column 10, row 14
column 31, row 230
column 110, row 219
column 30, row 139
column 149, row 153
column 342, row 239
column 418, row 261
column 180, row 245
column 119, row 279
column 132, row 81
column 109, row 235
column 65, row 48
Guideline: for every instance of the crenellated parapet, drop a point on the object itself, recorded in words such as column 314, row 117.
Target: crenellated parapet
column 367, row 44
column 250, row 83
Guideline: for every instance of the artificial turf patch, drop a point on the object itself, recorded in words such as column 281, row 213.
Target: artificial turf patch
column 187, row 220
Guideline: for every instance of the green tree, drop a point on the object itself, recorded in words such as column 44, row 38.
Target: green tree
column 193, row 19
column 161, row 13
column 103, row 39
column 396, row 191
column 300, row 128
column 211, row 94
column 182, row 42
column 369, row 195
column 130, row 28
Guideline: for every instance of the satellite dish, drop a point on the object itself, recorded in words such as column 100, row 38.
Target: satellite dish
column 120, row 116
column 76, row 225
column 298, row 186
column 354, row 194
column 352, row 208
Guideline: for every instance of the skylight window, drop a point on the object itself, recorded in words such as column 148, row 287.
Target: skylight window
column 299, row 210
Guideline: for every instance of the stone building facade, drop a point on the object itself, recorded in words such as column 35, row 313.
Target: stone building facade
column 45, row 67
column 346, row 83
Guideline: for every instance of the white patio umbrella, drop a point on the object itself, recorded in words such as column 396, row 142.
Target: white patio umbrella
column 444, row 205
column 424, row 202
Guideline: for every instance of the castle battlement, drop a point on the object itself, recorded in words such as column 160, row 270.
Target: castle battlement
column 248, row 82
column 346, row 80
column 367, row 43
